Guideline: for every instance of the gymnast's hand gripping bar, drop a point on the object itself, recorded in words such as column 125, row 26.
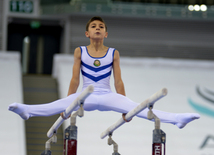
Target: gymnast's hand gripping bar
column 77, row 102
column 147, row 103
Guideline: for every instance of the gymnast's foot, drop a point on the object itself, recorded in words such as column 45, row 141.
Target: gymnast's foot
column 184, row 119
column 20, row 109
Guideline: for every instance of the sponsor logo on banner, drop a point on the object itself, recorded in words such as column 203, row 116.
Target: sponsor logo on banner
column 208, row 97
column 208, row 142
column 206, row 94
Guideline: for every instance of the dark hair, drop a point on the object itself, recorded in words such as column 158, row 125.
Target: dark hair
column 93, row 19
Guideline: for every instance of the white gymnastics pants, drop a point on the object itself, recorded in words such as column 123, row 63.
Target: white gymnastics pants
column 102, row 102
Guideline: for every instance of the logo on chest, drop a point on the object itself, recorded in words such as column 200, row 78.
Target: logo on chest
column 97, row 63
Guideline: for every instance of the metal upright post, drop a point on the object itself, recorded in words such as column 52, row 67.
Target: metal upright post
column 115, row 145
column 70, row 141
column 47, row 151
column 159, row 137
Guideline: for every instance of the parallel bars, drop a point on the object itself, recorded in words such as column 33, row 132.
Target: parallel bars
column 77, row 102
column 147, row 103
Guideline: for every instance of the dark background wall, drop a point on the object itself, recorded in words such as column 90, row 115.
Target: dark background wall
column 151, row 37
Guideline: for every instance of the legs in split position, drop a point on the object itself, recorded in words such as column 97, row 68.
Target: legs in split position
column 178, row 119
column 26, row 111
column 20, row 109
column 104, row 102
column 122, row 104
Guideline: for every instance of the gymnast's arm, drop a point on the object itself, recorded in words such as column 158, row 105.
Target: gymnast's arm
column 74, row 83
column 118, row 82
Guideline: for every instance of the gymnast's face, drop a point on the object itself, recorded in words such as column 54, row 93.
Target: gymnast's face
column 96, row 30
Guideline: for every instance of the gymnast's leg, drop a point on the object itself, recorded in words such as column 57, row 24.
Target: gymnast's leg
column 26, row 111
column 122, row 104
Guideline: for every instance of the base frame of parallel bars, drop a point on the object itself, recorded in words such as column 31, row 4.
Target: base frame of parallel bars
column 159, row 136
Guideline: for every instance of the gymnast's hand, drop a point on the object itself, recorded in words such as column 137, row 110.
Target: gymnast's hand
column 124, row 115
column 62, row 115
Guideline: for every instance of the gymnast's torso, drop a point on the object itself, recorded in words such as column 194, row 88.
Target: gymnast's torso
column 97, row 70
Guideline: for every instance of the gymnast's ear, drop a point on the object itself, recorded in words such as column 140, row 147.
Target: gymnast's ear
column 106, row 35
column 87, row 34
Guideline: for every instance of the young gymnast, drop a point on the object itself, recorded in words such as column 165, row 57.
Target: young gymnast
column 96, row 63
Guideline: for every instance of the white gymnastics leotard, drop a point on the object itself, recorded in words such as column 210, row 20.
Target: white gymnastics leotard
column 97, row 71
